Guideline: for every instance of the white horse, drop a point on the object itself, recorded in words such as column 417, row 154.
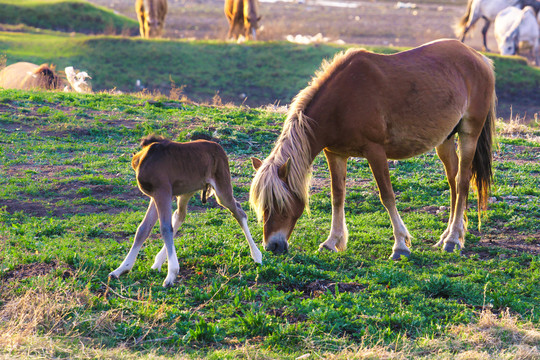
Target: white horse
column 486, row 9
column 516, row 30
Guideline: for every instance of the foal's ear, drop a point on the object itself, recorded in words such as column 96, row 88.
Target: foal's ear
column 256, row 163
column 284, row 170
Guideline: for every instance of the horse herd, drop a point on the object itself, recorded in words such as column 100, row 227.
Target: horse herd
column 516, row 24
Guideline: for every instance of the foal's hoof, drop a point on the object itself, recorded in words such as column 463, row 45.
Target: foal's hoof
column 324, row 247
column 451, row 247
column 397, row 254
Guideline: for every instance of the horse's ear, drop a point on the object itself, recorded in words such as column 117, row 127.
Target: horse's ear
column 284, row 170
column 256, row 163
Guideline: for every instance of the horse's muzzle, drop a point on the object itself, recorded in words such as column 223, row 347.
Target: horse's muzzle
column 277, row 245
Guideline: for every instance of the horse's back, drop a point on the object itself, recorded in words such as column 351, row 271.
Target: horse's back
column 178, row 164
column 408, row 101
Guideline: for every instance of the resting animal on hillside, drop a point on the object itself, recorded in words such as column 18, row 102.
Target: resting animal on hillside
column 242, row 18
column 165, row 169
column 26, row 76
column 487, row 10
column 516, row 30
column 151, row 15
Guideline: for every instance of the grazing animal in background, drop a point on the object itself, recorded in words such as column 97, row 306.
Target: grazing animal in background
column 516, row 30
column 242, row 18
column 25, row 76
column 487, row 10
column 382, row 107
column 151, row 15
column 165, row 169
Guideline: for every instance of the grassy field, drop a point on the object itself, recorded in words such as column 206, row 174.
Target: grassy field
column 254, row 74
column 66, row 15
column 69, row 208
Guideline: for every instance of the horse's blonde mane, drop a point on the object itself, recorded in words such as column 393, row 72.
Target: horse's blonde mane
column 268, row 192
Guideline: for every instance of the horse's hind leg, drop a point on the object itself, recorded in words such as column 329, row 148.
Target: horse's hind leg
column 455, row 237
column 337, row 240
column 378, row 162
column 140, row 236
column 163, row 205
column 224, row 195
column 447, row 153
column 484, row 33
column 177, row 219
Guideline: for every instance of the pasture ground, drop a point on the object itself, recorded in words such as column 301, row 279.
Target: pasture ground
column 70, row 206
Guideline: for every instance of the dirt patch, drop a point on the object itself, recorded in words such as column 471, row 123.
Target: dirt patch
column 34, row 270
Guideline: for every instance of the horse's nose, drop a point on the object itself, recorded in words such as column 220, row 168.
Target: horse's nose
column 277, row 246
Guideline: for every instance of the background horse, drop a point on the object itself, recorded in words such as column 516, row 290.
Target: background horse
column 517, row 30
column 151, row 15
column 25, row 76
column 380, row 107
column 242, row 18
column 165, row 169
column 488, row 10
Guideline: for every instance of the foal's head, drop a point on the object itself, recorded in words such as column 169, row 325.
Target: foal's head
column 275, row 204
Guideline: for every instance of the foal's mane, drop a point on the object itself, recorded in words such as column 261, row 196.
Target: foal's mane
column 268, row 192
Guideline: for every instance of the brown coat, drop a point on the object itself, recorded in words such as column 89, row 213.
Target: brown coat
column 25, row 76
column 151, row 15
column 242, row 17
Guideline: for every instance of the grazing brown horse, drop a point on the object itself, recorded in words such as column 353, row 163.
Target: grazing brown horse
column 165, row 169
column 151, row 15
column 25, row 76
column 382, row 107
column 242, row 17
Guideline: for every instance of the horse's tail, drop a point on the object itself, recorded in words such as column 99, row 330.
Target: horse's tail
column 482, row 173
column 206, row 193
column 48, row 78
column 460, row 26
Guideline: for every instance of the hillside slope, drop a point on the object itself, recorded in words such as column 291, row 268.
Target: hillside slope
column 254, row 73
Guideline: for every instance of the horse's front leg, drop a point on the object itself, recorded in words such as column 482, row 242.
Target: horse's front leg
column 337, row 240
column 378, row 163
column 177, row 220
column 141, row 235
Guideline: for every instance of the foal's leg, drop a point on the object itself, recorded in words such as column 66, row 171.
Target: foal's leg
column 456, row 236
column 337, row 240
column 447, row 153
column 163, row 204
column 141, row 235
column 378, row 163
column 177, row 219
column 224, row 195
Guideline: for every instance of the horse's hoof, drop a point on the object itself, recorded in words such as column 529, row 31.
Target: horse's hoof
column 113, row 275
column 397, row 254
column 451, row 247
column 323, row 247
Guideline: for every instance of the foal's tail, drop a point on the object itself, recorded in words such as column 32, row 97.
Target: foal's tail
column 482, row 173
column 459, row 28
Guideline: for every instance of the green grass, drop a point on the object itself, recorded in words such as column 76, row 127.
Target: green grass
column 257, row 73
column 66, row 15
column 70, row 207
